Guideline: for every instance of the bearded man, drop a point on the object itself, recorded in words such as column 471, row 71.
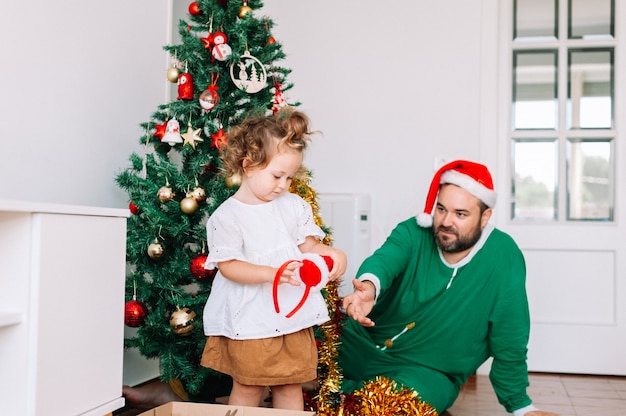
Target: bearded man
column 445, row 292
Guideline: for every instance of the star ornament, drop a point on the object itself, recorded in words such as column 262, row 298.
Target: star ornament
column 160, row 130
column 191, row 136
column 208, row 41
column 219, row 139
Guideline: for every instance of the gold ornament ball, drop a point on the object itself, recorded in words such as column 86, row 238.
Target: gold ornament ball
column 182, row 320
column 232, row 181
column 172, row 74
column 243, row 12
column 188, row 205
column 165, row 194
column 198, row 194
column 155, row 250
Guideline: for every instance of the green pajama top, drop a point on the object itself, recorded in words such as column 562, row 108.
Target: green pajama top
column 483, row 313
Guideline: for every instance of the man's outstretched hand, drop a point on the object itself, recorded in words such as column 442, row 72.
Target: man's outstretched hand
column 359, row 303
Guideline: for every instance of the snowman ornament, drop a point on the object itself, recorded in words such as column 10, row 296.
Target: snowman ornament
column 221, row 51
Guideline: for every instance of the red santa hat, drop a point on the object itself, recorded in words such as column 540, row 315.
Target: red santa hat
column 473, row 177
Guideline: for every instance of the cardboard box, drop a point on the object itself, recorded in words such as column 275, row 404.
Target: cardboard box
column 202, row 409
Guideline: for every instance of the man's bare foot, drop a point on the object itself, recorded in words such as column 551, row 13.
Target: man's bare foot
column 149, row 395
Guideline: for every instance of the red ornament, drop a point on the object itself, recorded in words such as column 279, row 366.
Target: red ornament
column 185, row 86
column 279, row 101
column 209, row 97
column 160, row 130
column 219, row 139
column 134, row 209
column 135, row 312
column 194, row 9
column 208, row 41
column 197, row 268
column 271, row 40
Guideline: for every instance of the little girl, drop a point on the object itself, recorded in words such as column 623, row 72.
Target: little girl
column 261, row 227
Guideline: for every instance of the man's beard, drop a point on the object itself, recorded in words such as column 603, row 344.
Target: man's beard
column 462, row 242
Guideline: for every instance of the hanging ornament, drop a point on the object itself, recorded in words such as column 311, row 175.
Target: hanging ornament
column 155, row 250
column 185, row 86
column 172, row 74
column 278, row 101
column 221, row 50
column 245, row 10
column 250, row 82
column 160, row 130
column 198, row 271
column 174, row 70
column 165, row 193
column 172, row 133
column 219, row 139
column 182, row 321
column 134, row 209
column 233, row 180
column 270, row 39
column 194, row 9
column 198, row 194
column 135, row 313
column 208, row 41
column 188, row 205
column 209, row 97
column 192, row 136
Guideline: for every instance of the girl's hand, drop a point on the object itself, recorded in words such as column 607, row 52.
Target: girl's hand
column 289, row 272
column 340, row 262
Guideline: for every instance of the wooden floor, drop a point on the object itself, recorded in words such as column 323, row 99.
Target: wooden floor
column 566, row 395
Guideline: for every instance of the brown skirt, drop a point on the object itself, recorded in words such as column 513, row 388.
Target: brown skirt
column 286, row 359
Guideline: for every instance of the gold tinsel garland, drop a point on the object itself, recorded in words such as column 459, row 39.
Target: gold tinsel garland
column 379, row 397
column 383, row 397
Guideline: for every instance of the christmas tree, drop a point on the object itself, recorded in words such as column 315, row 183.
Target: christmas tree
column 225, row 68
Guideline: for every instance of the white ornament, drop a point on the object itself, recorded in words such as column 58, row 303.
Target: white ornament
column 221, row 52
column 172, row 133
column 252, row 76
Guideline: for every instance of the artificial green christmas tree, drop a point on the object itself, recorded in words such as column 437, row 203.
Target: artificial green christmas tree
column 225, row 68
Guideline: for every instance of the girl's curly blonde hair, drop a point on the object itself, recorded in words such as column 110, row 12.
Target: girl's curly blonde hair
column 258, row 138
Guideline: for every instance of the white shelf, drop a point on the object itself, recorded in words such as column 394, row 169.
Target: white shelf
column 10, row 205
column 62, row 273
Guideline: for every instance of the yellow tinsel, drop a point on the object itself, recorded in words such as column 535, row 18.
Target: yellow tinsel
column 383, row 397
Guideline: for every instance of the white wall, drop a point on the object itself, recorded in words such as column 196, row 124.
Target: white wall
column 77, row 79
column 392, row 85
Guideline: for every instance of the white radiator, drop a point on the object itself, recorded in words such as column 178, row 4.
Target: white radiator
column 348, row 217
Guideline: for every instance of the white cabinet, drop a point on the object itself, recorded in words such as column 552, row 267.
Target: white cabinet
column 62, row 271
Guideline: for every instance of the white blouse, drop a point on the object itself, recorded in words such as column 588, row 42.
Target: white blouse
column 265, row 234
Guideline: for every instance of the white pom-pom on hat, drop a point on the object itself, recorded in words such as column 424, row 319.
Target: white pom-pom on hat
column 471, row 176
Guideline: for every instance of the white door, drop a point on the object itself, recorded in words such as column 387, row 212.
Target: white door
column 559, row 154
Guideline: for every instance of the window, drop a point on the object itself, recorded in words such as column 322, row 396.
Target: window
column 562, row 110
